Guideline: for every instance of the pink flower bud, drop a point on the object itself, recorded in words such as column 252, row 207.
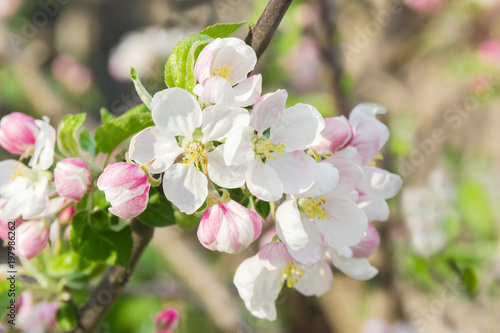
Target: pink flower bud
column 335, row 136
column 424, row 6
column 126, row 188
column 229, row 227
column 18, row 133
column 32, row 237
column 368, row 245
column 167, row 321
column 73, row 178
column 67, row 214
column 5, row 228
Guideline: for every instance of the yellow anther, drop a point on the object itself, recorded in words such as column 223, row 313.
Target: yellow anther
column 19, row 171
column 264, row 148
column 313, row 208
column 291, row 273
column 222, row 72
column 194, row 152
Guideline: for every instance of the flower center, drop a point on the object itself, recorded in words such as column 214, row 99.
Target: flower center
column 264, row 148
column 313, row 208
column 23, row 171
column 194, row 152
column 222, row 72
column 291, row 273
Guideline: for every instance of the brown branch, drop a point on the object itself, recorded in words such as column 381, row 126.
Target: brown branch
column 113, row 283
column 262, row 32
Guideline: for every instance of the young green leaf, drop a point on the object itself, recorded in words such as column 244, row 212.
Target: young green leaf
column 66, row 318
column 221, row 30
column 87, row 142
column 474, row 207
column 469, row 278
column 67, row 138
column 106, row 116
column 111, row 134
column 159, row 212
column 141, row 91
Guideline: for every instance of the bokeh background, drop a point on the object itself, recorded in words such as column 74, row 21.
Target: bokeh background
column 433, row 63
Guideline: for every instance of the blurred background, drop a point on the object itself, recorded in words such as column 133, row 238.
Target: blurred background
column 433, row 63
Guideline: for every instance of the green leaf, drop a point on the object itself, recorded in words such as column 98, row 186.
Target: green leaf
column 92, row 238
column 87, row 142
column 9, row 294
column 184, row 221
column 67, row 139
column 141, row 91
column 221, row 30
column 66, row 318
column 112, row 133
column 179, row 69
column 474, row 207
column 106, row 116
column 66, row 264
column 469, row 278
column 263, row 208
column 159, row 212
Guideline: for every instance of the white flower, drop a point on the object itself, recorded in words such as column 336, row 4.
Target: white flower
column 182, row 129
column 259, row 279
column 271, row 148
column 221, row 70
column 357, row 268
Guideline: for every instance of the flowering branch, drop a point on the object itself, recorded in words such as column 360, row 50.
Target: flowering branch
column 261, row 33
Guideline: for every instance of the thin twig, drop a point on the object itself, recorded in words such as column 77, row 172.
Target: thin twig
column 262, row 32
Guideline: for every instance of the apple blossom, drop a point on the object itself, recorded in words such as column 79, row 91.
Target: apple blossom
column 183, row 130
column 221, row 70
column 368, row 244
column 167, row 321
column 32, row 238
column 5, row 228
column 67, row 214
column 43, row 154
column 357, row 268
column 18, row 133
column 72, row 178
column 259, row 279
column 275, row 163
column 126, row 188
column 229, row 227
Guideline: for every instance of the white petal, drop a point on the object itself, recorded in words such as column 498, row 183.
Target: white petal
column 248, row 91
column 43, row 155
column 38, row 201
column 381, row 183
column 7, row 168
column 238, row 147
column 315, row 247
column 370, row 111
column 316, row 281
column 176, row 112
column 154, row 144
column 350, row 174
column 216, row 90
column 375, row 208
column 289, row 226
column 356, row 268
column 297, row 171
column 185, row 186
column 219, row 120
column 298, row 127
column 262, row 181
column 221, row 174
column 234, row 53
column 346, row 225
column 326, row 180
column 266, row 110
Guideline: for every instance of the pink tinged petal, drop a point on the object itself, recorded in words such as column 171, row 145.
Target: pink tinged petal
column 202, row 66
column 5, row 227
column 72, row 178
column 316, row 280
column 32, row 238
column 209, row 227
column 258, row 287
column 298, row 127
column 368, row 245
column 381, row 183
column 274, row 255
column 133, row 207
column 359, row 269
column 262, row 181
column 185, row 187
column 18, row 132
column 216, row 90
column 335, row 136
column 238, row 147
column 43, row 155
column 266, row 110
column 327, row 180
column 297, row 171
column 219, row 121
column 366, row 141
column 315, row 247
column 289, row 226
column 375, row 208
column 350, row 174
column 153, row 144
column 346, row 225
column 234, row 53
column 176, row 112
column 167, row 320
column 369, row 111
column 221, row 174
column 248, row 91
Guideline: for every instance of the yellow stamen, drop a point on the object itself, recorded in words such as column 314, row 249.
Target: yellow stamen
column 313, row 208
column 195, row 153
column 222, row 72
column 264, row 148
column 291, row 273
